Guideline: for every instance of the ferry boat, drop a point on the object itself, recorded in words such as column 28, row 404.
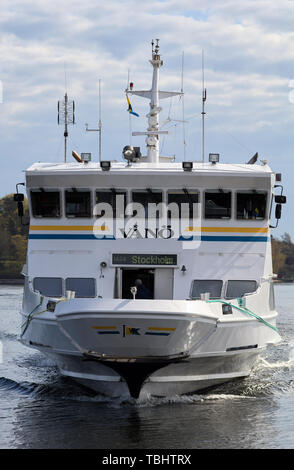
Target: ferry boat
column 146, row 275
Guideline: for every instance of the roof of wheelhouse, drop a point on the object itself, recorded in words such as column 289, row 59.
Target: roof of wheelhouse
column 218, row 169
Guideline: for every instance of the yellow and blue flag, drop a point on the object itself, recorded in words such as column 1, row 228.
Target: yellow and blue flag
column 130, row 109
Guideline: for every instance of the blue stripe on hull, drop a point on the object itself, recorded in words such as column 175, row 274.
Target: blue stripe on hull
column 156, row 334
column 108, row 332
column 203, row 238
column 224, row 238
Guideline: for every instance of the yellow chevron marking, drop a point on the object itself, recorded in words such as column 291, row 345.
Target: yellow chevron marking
column 104, row 327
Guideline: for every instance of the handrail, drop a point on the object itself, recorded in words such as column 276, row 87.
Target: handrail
column 247, row 311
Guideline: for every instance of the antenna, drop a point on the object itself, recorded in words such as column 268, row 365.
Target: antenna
column 183, row 106
column 130, row 117
column 99, row 124
column 66, row 116
column 65, row 78
column 169, row 120
column 203, row 103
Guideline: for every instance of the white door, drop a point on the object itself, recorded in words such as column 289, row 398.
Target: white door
column 163, row 283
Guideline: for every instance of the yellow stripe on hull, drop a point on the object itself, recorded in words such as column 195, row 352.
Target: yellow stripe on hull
column 104, row 327
column 189, row 229
column 69, row 227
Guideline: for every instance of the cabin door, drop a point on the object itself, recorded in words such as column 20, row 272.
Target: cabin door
column 164, row 283
column 129, row 278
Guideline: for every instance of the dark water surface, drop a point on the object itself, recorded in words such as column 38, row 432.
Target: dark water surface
column 40, row 409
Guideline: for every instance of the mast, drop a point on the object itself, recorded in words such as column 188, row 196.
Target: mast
column 66, row 116
column 203, row 104
column 152, row 140
column 100, row 123
column 154, row 95
column 65, row 124
column 183, row 107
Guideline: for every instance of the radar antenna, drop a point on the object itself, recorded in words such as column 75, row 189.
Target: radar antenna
column 66, row 116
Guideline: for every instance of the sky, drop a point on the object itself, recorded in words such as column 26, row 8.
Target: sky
column 47, row 48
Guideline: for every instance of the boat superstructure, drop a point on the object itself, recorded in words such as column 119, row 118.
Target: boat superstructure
column 147, row 275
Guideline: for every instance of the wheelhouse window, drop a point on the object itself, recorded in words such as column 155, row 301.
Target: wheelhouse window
column 117, row 199
column 48, row 286
column 77, row 203
column 251, row 205
column 186, row 199
column 145, row 197
column 45, row 203
column 202, row 286
column 218, row 204
column 237, row 289
column 83, row 287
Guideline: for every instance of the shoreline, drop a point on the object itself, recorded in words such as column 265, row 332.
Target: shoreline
column 12, row 282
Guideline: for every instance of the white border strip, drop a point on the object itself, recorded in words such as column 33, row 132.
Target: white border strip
column 194, row 378
column 99, row 378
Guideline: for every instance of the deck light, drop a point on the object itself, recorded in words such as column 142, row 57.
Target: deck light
column 187, row 166
column 278, row 177
column 214, row 158
column 279, row 199
column 18, row 197
column 105, row 165
column 86, row 157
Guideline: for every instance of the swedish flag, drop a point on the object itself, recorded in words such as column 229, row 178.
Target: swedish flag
column 130, row 109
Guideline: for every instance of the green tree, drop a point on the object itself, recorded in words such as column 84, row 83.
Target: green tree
column 278, row 257
column 283, row 257
column 13, row 237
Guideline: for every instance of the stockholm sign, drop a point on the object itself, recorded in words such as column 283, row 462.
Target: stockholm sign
column 144, row 259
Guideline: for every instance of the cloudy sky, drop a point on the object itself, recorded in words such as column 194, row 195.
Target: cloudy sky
column 47, row 47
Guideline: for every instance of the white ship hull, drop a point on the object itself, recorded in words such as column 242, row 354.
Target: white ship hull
column 170, row 379
column 162, row 348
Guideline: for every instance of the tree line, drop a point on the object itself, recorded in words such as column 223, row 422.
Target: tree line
column 14, row 235
column 283, row 257
column 13, row 238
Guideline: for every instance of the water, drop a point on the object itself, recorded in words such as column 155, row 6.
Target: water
column 41, row 409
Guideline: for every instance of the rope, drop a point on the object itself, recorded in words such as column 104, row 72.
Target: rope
column 247, row 311
column 28, row 320
column 31, row 316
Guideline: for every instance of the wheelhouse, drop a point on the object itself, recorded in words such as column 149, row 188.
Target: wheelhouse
column 90, row 218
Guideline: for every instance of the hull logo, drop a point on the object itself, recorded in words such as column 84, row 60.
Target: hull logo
column 129, row 330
